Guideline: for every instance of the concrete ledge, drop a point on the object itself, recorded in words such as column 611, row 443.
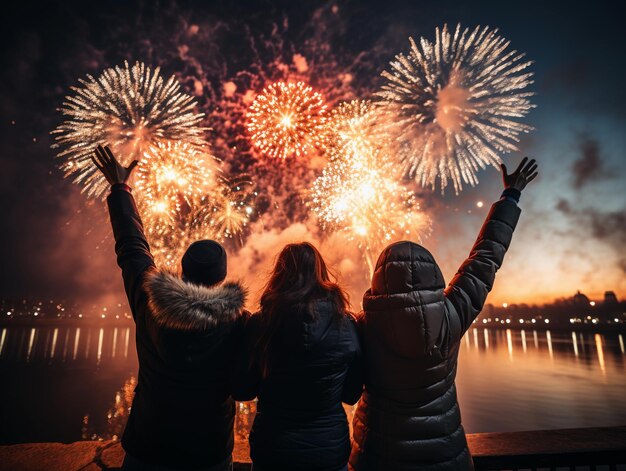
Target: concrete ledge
column 549, row 448
column 605, row 445
column 81, row 456
column 84, row 456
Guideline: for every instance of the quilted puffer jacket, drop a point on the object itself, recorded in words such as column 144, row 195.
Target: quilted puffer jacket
column 408, row 417
column 316, row 365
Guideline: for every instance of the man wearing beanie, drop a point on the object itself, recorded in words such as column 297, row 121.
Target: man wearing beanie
column 188, row 329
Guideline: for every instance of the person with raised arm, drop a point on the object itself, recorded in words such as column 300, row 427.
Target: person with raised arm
column 187, row 331
column 411, row 328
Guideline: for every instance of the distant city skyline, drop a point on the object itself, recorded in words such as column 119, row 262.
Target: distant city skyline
column 60, row 309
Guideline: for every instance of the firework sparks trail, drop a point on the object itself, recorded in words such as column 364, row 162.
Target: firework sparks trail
column 352, row 129
column 171, row 180
column 172, row 175
column 367, row 206
column 182, row 198
column 287, row 119
column 220, row 214
column 358, row 193
column 129, row 108
column 227, row 212
column 453, row 104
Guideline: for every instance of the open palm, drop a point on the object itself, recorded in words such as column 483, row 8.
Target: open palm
column 525, row 173
column 113, row 171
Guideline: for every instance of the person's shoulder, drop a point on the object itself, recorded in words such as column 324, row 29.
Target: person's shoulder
column 253, row 321
column 355, row 318
column 148, row 273
column 350, row 317
column 241, row 320
column 349, row 332
column 350, row 322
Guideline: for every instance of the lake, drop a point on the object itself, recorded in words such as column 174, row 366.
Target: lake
column 71, row 383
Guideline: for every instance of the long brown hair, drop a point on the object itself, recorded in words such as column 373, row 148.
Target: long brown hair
column 299, row 277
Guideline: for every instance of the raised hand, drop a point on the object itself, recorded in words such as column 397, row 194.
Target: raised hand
column 113, row 171
column 522, row 176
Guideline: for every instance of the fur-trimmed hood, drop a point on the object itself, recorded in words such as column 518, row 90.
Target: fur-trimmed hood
column 178, row 305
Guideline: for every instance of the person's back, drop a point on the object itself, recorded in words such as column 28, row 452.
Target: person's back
column 187, row 332
column 409, row 417
column 301, row 373
column 182, row 414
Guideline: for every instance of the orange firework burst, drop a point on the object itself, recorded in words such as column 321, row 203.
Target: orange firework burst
column 175, row 171
column 172, row 179
column 287, row 119
column 173, row 223
column 358, row 196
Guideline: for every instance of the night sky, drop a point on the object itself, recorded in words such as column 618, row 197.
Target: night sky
column 572, row 233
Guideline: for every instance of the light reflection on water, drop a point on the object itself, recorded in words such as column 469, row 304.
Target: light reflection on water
column 62, row 344
column 72, row 382
column 528, row 380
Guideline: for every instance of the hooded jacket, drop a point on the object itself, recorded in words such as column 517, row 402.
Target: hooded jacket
column 182, row 413
column 315, row 365
column 409, row 417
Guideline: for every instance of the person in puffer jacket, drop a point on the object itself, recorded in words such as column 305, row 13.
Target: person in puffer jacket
column 187, row 332
column 302, row 360
column 409, row 418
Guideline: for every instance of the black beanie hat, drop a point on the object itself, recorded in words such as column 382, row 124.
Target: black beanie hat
column 204, row 263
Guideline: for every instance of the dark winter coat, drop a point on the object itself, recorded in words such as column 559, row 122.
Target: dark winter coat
column 409, row 418
column 182, row 413
column 315, row 365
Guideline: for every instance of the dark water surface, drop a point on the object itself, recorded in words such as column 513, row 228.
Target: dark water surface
column 71, row 383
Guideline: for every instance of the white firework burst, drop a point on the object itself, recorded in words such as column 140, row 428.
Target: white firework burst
column 129, row 108
column 453, row 105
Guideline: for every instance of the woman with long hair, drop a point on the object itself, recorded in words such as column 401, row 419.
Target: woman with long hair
column 302, row 359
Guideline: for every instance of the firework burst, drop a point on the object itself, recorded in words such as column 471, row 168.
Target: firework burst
column 226, row 212
column 287, row 119
column 352, row 129
column 174, row 175
column 221, row 214
column 358, row 191
column 357, row 195
column 129, row 108
column 453, row 104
